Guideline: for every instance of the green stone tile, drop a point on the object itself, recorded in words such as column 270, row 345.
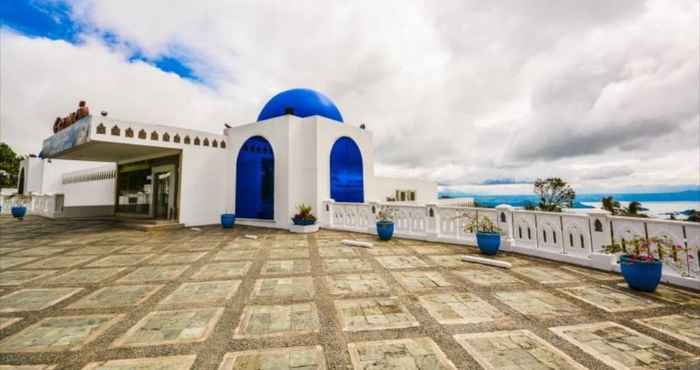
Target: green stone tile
column 171, row 327
column 117, row 296
column 207, row 292
column 35, row 299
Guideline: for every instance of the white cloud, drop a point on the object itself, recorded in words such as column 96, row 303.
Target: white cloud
column 457, row 91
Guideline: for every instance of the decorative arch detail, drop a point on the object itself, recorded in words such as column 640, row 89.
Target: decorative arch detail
column 347, row 176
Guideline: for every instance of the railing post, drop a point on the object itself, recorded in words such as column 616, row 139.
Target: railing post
column 328, row 212
column 601, row 235
column 504, row 220
column 372, row 217
column 432, row 225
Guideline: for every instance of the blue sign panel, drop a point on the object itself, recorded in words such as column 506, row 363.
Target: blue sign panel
column 255, row 180
column 70, row 137
column 346, row 172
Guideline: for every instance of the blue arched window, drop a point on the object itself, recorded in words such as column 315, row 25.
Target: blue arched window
column 255, row 180
column 346, row 172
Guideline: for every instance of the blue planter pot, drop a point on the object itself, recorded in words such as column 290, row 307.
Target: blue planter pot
column 19, row 212
column 302, row 222
column 385, row 230
column 641, row 275
column 228, row 220
column 488, row 243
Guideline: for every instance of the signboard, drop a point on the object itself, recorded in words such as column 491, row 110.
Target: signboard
column 70, row 137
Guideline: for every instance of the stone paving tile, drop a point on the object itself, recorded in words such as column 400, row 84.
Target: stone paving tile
column 451, row 260
column 278, row 320
column 621, row 347
column 222, row 270
column 243, row 243
column 153, row 273
column 538, row 303
column 486, row 276
column 373, row 314
column 459, row 308
column 667, row 293
column 7, row 321
column 416, row 281
column 236, row 254
column 685, row 326
column 7, row 261
column 7, row 250
column 435, row 249
column 177, row 258
column 38, row 252
column 339, row 252
column 288, row 253
column 151, row 363
column 356, row 284
column 546, row 275
column 140, row 249
column 294, row 358
column 117, row 296
column 517, row 349
column 387, row 250
column 18, row 277
column 120, row 260
column 95, row 250
column 27, row 367
column 35, row 299
column 63, row 333
column 85, row 276
column 206, row 292
column 609, row 299
column 284, row 267
column 405, row 354
column 594, row 274
column 336, row 265
column 58, row 262
column 401, row 262
column 295, row 288
column 171, row 327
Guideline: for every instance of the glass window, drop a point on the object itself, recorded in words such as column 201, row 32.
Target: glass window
column 134, row 189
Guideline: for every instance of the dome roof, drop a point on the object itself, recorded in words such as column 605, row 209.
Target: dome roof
column 301, row 103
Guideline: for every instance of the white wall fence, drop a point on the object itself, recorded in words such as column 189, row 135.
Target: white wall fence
column 576, row 238
column 47, row 205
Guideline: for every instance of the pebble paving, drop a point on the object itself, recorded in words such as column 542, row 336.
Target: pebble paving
column 88, row 295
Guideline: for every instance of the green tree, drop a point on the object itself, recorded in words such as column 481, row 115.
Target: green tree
column 633, row 209
column 9, row 166
column 611, row 205
column 554, row 194
column 694, row 216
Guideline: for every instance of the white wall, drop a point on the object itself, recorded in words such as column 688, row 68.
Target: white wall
column 426, row 191
column 90, row 193
column 45, row 176
column 203, row 184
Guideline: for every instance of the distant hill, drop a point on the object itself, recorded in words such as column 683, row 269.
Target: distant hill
column 521, row 200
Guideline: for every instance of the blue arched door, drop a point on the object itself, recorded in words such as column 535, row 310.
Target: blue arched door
column 255, row 180
column 347, row 183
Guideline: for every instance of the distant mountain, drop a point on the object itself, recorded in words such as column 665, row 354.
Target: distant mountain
column 521, row 200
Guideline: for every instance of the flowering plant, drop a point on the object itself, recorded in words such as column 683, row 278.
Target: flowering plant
column 477, row 225
column 304, row 213
column 640, row 249
column 386, row 215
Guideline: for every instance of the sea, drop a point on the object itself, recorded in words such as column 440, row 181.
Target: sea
column 657, row 205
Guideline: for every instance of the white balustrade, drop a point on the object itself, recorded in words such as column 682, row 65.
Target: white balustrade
column 569, row 237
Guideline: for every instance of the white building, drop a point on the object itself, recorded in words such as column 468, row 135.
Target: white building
column 298, row 151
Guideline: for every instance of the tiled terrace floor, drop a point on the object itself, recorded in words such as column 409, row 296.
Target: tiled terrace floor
column 86, row 295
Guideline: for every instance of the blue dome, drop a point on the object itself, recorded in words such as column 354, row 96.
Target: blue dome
column 301, row 103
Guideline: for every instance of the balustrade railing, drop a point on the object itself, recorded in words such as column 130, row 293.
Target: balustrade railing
column 47, row 205
column 577, row 238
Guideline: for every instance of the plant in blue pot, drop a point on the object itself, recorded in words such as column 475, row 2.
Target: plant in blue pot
column 641, row 260
column 488, row 235
column 19, row 209
column 304, row 217
column 228, row 220
column 385, row 223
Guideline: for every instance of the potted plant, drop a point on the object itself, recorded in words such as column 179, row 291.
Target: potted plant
column 304, row 217
column 385, row 223
column 488, row 235
column 228, row 220
column 640, row 266
column 19, row 210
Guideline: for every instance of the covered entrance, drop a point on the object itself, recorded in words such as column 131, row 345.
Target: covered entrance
column 148, row 189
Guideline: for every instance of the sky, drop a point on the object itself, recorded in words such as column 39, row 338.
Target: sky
column 479, row 96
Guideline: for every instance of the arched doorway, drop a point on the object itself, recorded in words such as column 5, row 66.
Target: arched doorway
column 20, row 183
column 347, row 183
column 255, row 180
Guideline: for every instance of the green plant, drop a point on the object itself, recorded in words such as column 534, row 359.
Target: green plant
column 554, row 194
column 639, row 248
column 21, row 200
column 9, row 166
column 386, row 214
column 483, row 225
column 611, row 205
column 304, row 213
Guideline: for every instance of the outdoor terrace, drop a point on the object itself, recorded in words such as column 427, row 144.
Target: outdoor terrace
column 88, row 295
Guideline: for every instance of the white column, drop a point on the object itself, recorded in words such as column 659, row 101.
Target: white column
column 507, row 225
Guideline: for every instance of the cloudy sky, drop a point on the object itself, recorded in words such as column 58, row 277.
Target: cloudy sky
column 481, row 96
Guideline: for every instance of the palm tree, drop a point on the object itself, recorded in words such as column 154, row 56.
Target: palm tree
column 633, row 208
column 611, row 205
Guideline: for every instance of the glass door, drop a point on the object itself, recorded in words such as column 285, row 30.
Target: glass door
column 164, row 192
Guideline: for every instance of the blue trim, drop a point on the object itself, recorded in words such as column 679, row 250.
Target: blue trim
column 347, row 177
column 255, row 180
